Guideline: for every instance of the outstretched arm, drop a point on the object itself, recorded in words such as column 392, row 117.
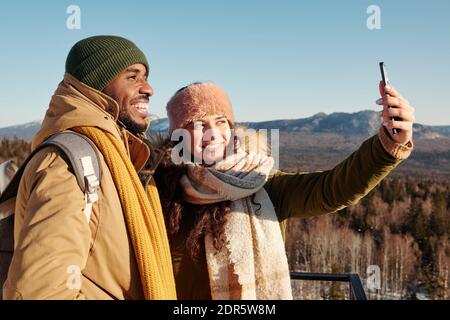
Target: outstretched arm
column 315, row 193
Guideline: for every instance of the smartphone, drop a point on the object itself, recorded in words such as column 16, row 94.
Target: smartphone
column 385, row 80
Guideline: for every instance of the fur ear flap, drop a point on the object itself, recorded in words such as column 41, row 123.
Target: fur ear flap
column 159, row 144
column 157, row 140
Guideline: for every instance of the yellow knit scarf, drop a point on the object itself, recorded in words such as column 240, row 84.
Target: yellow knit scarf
column 143, row 216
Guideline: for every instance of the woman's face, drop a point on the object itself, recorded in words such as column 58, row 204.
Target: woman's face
column 209, row 138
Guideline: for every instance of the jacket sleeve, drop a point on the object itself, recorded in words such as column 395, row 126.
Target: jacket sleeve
column 53, row 239
column 315, row 193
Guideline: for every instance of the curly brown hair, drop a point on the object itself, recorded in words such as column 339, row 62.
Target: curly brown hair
column 207, row 218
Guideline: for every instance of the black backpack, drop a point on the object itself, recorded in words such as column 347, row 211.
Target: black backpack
column 82, row 156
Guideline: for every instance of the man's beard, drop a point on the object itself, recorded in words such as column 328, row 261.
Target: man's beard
column 131, row 125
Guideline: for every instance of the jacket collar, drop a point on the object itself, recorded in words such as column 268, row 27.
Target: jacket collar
column 75, row 104
column 100, row 99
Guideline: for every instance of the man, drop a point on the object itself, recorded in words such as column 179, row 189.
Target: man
column 122, row 252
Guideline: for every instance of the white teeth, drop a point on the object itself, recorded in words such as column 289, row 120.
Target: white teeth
column 141, row 106
column 213, row 145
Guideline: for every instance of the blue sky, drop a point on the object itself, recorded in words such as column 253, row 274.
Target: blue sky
column 276, row 59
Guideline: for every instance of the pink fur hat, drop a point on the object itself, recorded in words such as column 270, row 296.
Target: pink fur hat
column 196, row 101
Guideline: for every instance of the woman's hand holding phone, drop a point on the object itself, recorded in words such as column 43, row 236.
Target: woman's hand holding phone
column 397, row 113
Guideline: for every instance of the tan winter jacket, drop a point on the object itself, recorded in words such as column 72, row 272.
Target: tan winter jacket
column 52, row 237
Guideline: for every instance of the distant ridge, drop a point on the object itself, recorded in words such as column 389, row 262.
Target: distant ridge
column 364, row 123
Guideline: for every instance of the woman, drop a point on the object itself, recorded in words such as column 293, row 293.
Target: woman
column 226, row 214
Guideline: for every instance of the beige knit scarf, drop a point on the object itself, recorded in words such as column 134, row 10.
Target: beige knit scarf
column 252, row 264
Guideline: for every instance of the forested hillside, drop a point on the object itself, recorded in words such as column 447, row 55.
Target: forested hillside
column 402, row 226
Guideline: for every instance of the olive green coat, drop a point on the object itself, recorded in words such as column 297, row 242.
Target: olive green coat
column 301, row 195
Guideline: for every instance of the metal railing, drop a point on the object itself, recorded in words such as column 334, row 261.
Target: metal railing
column 356, row 287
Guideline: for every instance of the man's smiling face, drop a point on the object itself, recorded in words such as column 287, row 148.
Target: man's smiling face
column 131, row 91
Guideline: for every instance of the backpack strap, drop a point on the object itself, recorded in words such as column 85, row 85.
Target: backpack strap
column 81, row 155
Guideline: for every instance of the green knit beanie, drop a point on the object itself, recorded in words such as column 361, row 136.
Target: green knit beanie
column 97, row 60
